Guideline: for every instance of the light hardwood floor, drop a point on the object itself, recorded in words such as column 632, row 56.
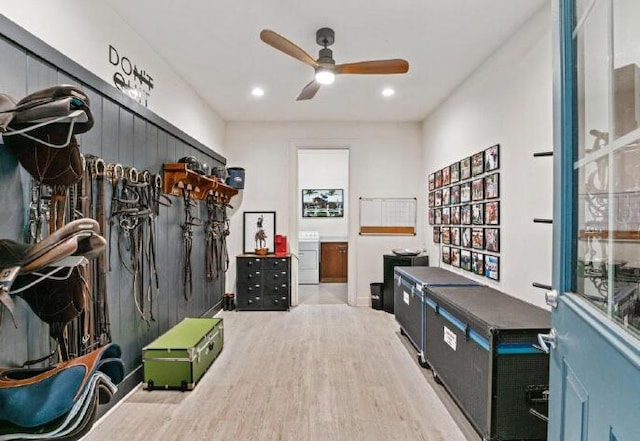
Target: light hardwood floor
column 323, row 293
column 320, row 372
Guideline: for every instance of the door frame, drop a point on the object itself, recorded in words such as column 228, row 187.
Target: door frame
column 319, row 144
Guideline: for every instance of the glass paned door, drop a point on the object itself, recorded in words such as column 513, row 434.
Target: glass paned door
column 607, row 158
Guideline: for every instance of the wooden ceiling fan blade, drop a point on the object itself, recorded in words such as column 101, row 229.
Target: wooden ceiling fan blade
column 309, row 91
column 277, row 41
column 377, row 67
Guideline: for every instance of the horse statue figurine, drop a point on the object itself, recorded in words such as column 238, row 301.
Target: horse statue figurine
column 261, row 237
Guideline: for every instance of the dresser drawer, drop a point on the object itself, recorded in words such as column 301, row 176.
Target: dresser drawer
column 276, row 302
column 279, row 289
column 270, row 277
column 249, row 275
column 249, row 264
column 249, row 302
column 274, row 263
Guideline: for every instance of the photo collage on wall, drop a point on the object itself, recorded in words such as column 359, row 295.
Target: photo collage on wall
column 464, row 211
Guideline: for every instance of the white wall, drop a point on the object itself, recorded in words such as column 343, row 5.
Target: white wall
column 384, row 161
column 83, row 31
column 507, row 101
column 324, row 169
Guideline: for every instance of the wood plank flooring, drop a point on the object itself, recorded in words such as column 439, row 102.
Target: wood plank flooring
column 320, row 372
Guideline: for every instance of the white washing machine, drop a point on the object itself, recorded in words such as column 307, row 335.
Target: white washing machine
column 309, row 257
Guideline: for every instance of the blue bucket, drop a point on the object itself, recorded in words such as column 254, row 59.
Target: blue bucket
column 235, row 178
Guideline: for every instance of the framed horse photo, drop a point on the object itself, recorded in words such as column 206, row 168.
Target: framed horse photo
column 259, row 231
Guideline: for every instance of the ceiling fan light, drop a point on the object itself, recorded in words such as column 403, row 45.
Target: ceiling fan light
column 325, row 76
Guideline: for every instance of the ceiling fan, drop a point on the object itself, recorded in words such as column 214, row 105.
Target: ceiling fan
column 325, row 66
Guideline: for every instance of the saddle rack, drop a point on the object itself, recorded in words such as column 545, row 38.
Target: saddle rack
column 177, row 177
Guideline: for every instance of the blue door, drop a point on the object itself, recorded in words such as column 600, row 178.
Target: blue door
column 595, row 341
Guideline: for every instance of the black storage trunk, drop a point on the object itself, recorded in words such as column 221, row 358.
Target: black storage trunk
column 479, row 343
column 409, row 305
column 390, row 261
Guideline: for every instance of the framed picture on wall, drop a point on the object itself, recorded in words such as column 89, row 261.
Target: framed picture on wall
column 455, row 172
column 436, row 234
column 437, row 196
column 455, row 215
column 492, row 158
column 477, row 238
column 465, row 260
column 432, row 181
column 492, row 213
column 455, row 236
column 465, row 214
column 477, row 164
column 465, row 168
column 465, row 238
column 492, row 186
column 455, row 257
column 455, row 194
column 446, row 176
column 446, row 235
column 432, row 199
column 477, row 263
column 477, row 189
column 492, row 267
column 465, row 192
column 477, row 214
column 438, row 179
column 446, row 255
column 446, row 196
column 438, row 213
column 492, row 239
column 432, row 216
column 322, row 203
column 259, row 230
column 446, row 215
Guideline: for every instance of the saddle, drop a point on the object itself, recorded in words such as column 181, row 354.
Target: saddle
column 40, row 130
column 58, row 402
column 25, row 268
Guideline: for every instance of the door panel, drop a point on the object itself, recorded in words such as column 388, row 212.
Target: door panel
column 575, row 409
column 333, row 262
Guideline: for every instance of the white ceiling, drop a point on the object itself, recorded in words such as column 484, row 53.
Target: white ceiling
column 215, row 46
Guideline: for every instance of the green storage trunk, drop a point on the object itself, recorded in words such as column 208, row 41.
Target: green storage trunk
column 180, row 357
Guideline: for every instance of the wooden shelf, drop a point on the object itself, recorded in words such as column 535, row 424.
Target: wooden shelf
column 177, row 177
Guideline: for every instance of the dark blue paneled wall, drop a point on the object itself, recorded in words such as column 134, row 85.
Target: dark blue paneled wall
column 126, row 133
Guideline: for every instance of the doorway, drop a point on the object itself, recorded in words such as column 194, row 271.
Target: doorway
column 322, row 212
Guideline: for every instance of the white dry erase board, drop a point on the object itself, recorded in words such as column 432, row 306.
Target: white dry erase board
column 388, row 216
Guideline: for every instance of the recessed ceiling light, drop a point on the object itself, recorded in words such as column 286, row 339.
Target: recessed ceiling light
column 257, row 92
column 388, row 92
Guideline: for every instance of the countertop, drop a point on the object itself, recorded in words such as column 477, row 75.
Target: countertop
column 333, row 239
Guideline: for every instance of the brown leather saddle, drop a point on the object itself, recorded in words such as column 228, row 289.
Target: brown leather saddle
column 40, row 130
column 29, row 270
